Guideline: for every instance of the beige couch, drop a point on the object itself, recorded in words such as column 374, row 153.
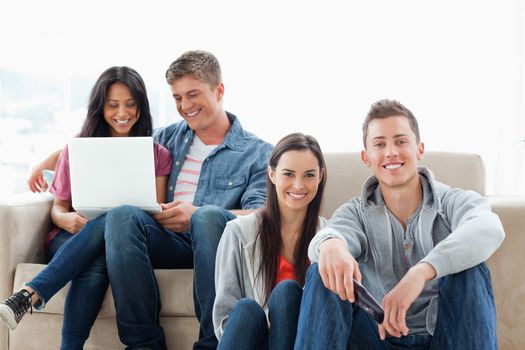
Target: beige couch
column 24, row 221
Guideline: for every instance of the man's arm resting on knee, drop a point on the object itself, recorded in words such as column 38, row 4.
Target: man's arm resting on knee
column 400, row 298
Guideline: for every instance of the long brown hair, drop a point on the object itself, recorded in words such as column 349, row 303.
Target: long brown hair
column 269, row 230
column 95, row 125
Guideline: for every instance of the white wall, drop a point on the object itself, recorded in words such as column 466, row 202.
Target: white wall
column 305, row 66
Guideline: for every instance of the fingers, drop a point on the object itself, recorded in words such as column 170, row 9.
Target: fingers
column 172, row 220
column 166, row 214
column 169, row 205
column 395, row 318
column 79, row 223
column 32, row 187
column 382, row 332
column 349, row 287
column 340, row 285
column 338, row 278
column 169, row 211
column 391, row 324
column 401, row 321
column 82, row 220
column 36, row 184
column 387, row 324
column 357, row 272
column 325, row 276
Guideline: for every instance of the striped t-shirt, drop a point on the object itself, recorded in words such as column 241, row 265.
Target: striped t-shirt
column 188, row 178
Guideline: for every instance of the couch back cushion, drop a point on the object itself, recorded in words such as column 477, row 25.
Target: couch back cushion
column 346, row 174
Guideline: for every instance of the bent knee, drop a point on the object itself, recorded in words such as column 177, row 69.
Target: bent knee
column 286, row 289
column 209, row 221
column 249, row 307
column 286, row 294
column 206, row 213
column 123, row 211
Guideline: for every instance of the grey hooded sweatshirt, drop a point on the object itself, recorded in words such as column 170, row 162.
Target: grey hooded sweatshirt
column 236, row 266
column 455, row 230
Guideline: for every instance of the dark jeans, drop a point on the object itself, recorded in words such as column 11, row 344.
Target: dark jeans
column 78, row 258
column 247, row 327
column 466, row 317
column 135, row 245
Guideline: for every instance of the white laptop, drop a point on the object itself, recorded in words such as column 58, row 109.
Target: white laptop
column 107, row 172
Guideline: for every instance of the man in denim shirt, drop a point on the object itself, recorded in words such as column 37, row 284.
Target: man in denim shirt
column 218, row 172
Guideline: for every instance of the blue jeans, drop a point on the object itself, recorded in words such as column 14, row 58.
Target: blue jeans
column 78, row 258
column 247, row 327
column 135, row 245
column 466, row 317
column 207, row 225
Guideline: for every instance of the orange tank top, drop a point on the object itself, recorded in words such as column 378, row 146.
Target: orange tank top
column 285, row 271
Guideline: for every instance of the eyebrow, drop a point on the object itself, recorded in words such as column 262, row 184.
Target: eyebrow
column 187, row 92
column 384, row 137
column 293, row 171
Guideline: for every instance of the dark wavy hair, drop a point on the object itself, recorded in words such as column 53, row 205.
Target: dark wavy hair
column 269, row 230
column 95, row 125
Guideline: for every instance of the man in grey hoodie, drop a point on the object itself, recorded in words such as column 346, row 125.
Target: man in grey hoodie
column 417, row 245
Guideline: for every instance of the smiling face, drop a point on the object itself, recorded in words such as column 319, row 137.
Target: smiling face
column 392, row 152
column 198, row 103
column 120, row 110
column 296, row 179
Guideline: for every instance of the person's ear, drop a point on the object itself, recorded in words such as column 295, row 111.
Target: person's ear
column 364, row 158
column 220, row 91
column 420, row 150
column 271, row 174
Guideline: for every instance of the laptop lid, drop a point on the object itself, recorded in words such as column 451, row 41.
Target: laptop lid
column 107, row 172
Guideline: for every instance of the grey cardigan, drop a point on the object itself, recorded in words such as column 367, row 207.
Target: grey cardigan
column 236, row 265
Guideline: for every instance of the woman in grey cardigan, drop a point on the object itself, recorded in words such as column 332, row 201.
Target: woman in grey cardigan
column 262, row 257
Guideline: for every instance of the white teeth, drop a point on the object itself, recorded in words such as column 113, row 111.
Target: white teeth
column 122, row 121
column 393, row 166
column 192, row 114
column 296, row 196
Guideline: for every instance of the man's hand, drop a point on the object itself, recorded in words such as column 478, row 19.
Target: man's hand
column 337, row 268
column 71, row 222
column 399, row 299
column 36, row 182
column 175, row 216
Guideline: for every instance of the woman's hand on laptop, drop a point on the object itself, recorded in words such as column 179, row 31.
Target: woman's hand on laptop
column 175, row 216
column 71, row 222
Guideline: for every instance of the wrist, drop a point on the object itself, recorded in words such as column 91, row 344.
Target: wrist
column 331, row 244
column 424, row 270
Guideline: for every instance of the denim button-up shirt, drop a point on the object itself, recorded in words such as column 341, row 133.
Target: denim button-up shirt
column 233, row 176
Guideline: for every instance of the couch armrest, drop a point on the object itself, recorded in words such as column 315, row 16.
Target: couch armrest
column 24, row 222
column 508, row 272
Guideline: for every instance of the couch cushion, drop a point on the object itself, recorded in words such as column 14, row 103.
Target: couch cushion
column 176, row 292
column 346, row 174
